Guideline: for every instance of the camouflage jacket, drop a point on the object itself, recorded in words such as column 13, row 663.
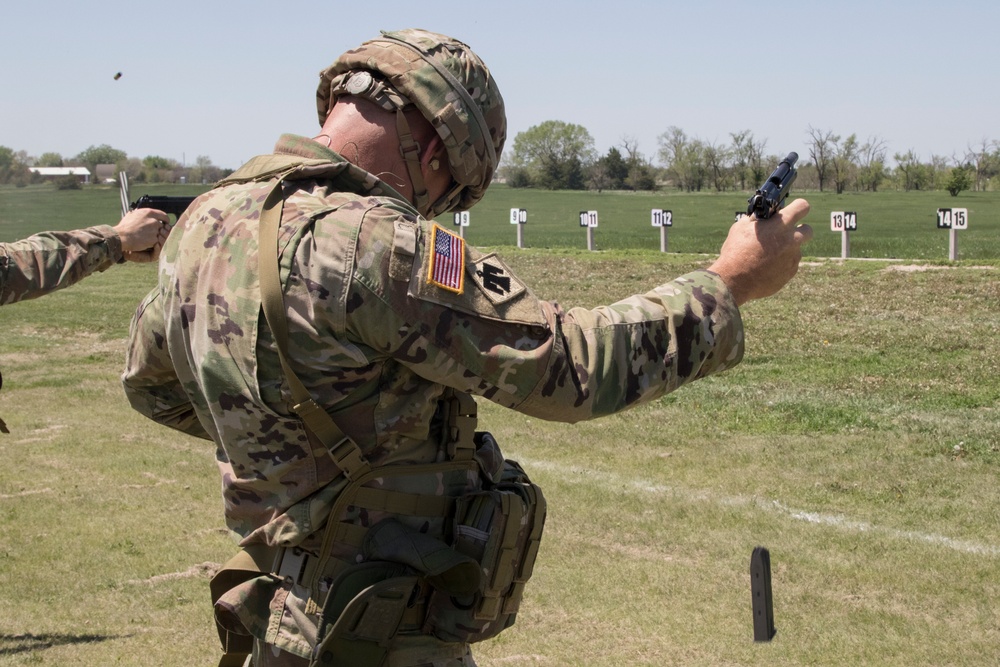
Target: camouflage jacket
column 385, row 310
column 49, row 261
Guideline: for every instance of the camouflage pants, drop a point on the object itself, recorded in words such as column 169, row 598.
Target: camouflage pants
column 407, row 651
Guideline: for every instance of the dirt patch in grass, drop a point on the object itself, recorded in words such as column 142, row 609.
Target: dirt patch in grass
column 912, row 268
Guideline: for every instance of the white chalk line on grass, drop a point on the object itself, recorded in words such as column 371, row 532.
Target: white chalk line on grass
column 21, row 494
column 609, row 480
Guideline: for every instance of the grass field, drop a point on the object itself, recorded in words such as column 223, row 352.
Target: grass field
column 859, row 441
column 890, row 224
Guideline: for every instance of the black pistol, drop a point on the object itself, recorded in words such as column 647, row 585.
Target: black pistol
column 173, row 205
column 771, row 196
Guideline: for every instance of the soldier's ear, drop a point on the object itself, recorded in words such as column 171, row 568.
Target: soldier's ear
column 430, row 158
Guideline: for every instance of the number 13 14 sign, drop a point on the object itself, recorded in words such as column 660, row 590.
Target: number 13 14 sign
column 843, row 221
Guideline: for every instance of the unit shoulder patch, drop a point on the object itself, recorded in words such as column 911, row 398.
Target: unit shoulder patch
column 495, row 279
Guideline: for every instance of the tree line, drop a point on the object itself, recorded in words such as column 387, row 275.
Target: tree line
column 15, row 166
column 558, row 155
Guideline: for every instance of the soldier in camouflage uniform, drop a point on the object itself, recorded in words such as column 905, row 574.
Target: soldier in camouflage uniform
column 50, row 261
column 387, row 315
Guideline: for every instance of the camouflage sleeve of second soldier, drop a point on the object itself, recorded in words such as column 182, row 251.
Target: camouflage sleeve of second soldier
column 488, row 334
column 150, row 381
column 49, row 261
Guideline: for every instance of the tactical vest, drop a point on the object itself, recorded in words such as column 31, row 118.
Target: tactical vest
column 464, row 587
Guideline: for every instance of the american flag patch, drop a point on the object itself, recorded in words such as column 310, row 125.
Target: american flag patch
column 447, row 260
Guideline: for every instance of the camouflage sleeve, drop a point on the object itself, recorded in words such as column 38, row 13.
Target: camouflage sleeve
column 150, row 381
column 50, row 261
column 487, row 333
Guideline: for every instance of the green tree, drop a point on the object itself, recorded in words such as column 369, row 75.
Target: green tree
column 871, row 164
column 843, row 163
column 741, row 151
column 158, row 169
column 68, row 183
column 717, row 160
column 517, row 177
column 984, row 161
column 204, row 171
column 683, row 158
column 555, row 154
column 103, row 154
column 615, row 168
column 49, row 160
column 755, row 160
column 822, row 147
column 13, row 167
column 910, row 173
column 7, row 161
column 960, row 179
column 641, row 174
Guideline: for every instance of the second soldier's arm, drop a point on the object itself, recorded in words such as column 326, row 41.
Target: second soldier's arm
column 150, row 381
column 50, row 261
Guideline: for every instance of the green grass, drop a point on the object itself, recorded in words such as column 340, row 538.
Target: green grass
column 891, row 224
column 859, row 441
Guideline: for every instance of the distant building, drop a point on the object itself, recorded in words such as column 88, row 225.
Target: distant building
column 105, row 173
column 82, row 173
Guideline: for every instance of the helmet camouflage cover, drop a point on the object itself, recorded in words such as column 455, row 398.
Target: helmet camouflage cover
column 450, row 86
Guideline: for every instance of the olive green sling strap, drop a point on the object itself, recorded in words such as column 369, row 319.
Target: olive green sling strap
column 257, row 559
column 344, row 451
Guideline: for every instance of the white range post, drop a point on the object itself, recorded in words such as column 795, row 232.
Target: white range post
column 662, row 219
column 461, row 221
column 519, row 217
column 844, row 222
column 953, row 219
column 588, row 219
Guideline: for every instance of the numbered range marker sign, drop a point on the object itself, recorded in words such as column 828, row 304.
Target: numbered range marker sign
column 518, row 216
column 843, row 221
column 953, row 218
column 461, row 218
column 662, row 218
column 588, row 218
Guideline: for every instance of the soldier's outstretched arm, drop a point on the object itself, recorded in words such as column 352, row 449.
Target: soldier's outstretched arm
column 50, row 261
column 491, row 336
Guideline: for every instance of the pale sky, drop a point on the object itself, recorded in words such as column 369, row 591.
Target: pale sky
column 225, row 79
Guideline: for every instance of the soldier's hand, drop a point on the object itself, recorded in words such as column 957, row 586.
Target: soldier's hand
column 758, row 258
column 143, row 232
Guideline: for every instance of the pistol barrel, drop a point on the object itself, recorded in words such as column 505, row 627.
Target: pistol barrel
column 772, row 194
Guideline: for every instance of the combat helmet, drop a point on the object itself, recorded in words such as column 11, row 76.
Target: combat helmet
column 450, row 86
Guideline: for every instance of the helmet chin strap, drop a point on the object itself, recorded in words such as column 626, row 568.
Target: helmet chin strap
column 409, row 149
column 362, row 83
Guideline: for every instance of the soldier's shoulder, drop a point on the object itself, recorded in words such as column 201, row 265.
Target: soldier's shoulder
column 416, row 264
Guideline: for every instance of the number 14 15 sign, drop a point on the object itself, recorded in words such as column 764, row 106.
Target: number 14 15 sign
column 953, row 218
